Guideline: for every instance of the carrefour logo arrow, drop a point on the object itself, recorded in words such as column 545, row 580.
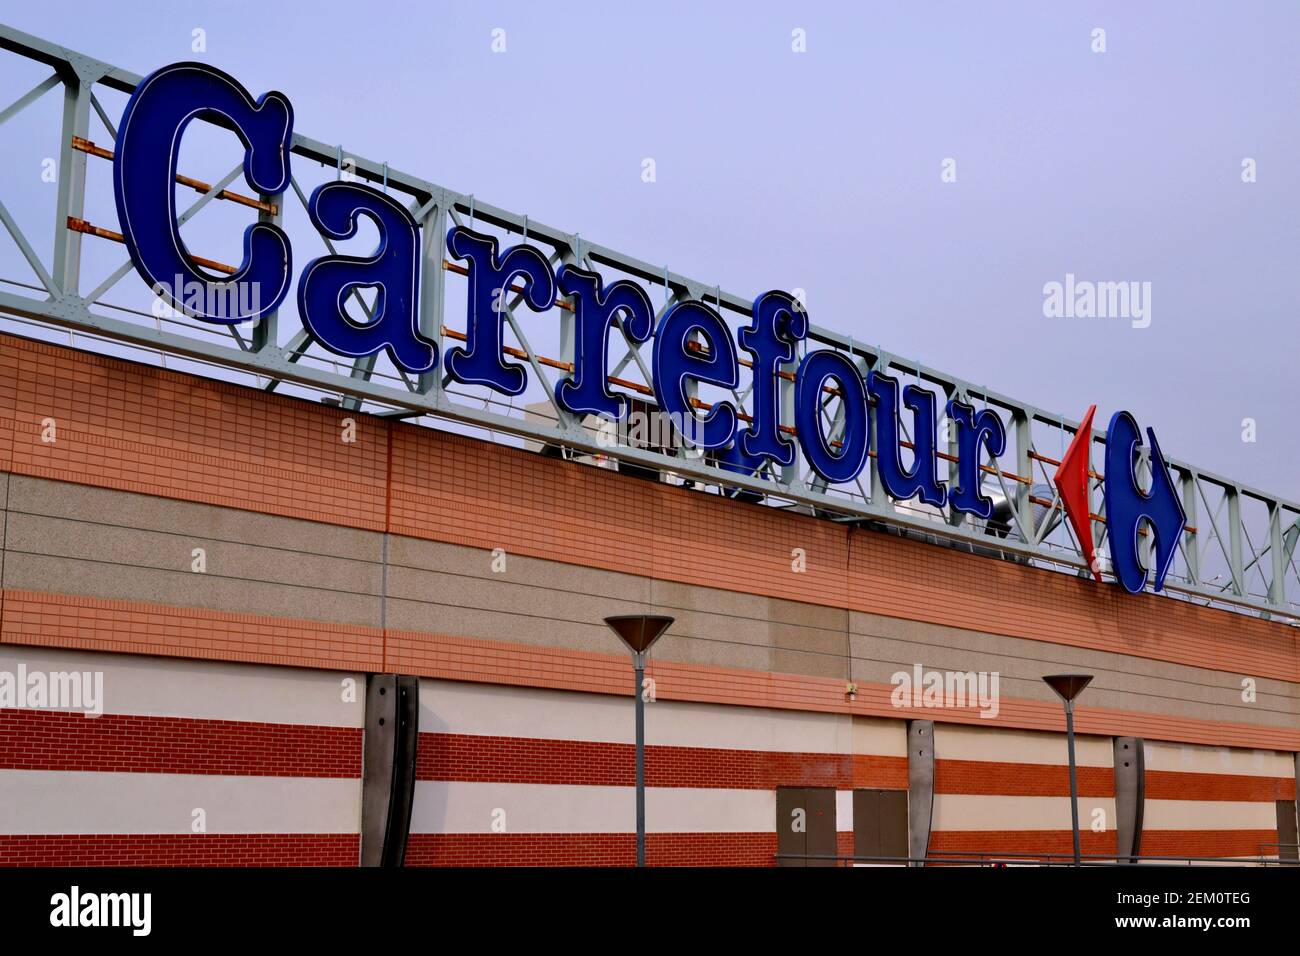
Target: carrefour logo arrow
column 1071, row 480
column 1128, row 507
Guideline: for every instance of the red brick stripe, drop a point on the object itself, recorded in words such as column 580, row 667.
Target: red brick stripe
column 577, row 762
column 497, row 759
column 1019, row 779
column 1171, row 843
column 52, row 740
column 1177, row 785
column 589, row 849
column 183, row 849
column 975, row 843
column 1211, row 843
column 877, row 772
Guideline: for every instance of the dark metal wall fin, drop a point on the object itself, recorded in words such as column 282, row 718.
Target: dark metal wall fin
column 388, row 772
column 1130, row 796
column 920, row 786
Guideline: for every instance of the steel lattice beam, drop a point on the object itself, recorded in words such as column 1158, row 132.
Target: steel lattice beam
column 435, row 206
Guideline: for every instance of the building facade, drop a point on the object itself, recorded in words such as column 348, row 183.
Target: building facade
column 236, row 565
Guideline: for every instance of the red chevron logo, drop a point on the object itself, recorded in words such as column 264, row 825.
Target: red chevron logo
column 1071, row 480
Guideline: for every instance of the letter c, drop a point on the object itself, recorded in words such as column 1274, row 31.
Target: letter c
column 144, row 180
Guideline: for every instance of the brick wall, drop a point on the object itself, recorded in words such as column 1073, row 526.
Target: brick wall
column 138, row 428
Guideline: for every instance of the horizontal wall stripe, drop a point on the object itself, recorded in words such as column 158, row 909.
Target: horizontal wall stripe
column 1190, row 758
column 53, row 740
column 1011, row 813
column 213, row 690
column 469, row 807
column 1209, row 843
column 73, row 802
column 181, row 849
column 69, row 621
column 965, row 742
column 100, row 541
column 994, row 844
column 1019, row 779
column 1163, row 814
column 178, row 520
column 590, row 849
column 501, row 710
column 529, row 760
column 879, row 773
column 139, row 428
column 1170, row 785
column 135, row 627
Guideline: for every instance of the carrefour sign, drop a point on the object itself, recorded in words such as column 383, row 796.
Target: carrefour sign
column 692, row 345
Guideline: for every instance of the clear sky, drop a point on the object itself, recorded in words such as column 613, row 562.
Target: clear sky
column 822, row 169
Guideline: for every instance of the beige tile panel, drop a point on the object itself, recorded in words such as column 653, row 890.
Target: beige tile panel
column 469, row 807
column 1199, row 758
column 954, row 811
column 54, row 802
column 206, row 690
column 455, row 707
column 965, row 742
column 1208, row 815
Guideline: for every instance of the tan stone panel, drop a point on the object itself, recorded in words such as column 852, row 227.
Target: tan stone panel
column 183, row 588
column 89, row 503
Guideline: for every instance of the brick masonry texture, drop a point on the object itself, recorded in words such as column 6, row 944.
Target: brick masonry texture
column 205, row 849
column 980, row 843
column 1179, row 785
column 134, row 627
column 1208, row 843
column 50, row 740
column 138, row 428
column 589, row 849
column 484, row 758
column 527, row 760
column 1019, row 779
column 1155, row 843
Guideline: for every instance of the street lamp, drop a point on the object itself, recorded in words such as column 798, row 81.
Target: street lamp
column 638, row 632
column 1068, row 687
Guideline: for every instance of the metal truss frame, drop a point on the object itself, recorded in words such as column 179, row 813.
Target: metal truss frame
column 1260, row 562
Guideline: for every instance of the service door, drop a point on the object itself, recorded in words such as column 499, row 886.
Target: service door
column 1286, row 829
column 879, row 824
column 805, row 825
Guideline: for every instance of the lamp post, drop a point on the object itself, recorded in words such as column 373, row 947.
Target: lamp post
column 1068, row 687
column 638, row 632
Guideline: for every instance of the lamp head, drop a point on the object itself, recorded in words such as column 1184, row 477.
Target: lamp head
column 639, row 631
column 1068, row 686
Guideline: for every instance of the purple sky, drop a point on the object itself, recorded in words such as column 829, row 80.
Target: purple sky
column 821, row 170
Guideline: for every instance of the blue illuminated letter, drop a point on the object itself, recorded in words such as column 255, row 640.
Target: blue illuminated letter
column 779, row 322
column 144, row 173
column 814, row 370
column 898, row 481
column 481, row 361
column 393, row 269
column 1127, row 506
column 676, row 364
column 596, row 308
column 973, row 430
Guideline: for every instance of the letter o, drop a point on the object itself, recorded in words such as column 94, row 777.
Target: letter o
column 815, row 369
